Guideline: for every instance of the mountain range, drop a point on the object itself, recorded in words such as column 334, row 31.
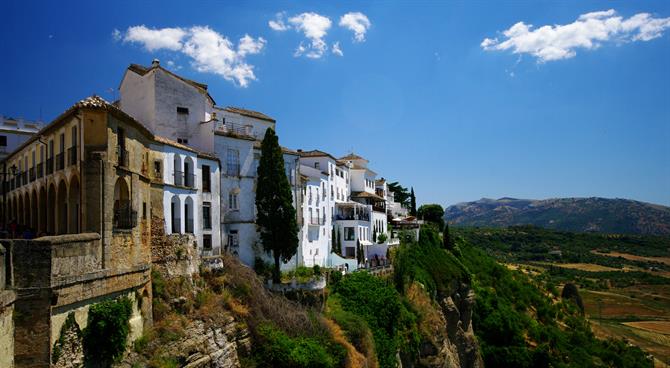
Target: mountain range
column 570, row 214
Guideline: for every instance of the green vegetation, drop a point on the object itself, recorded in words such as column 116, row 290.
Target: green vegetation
column 276, row 216
column 277, row 349
column 432, row 214
column 400, row 194
column 519, row 325
column 105, row 336
column 392, row 323
column 412, row 203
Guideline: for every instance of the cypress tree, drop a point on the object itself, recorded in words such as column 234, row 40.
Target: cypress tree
column 412, row 199
column 339, row 243
column 274, row 204
column 359, row 252
column 446, row 238
column 333, row 241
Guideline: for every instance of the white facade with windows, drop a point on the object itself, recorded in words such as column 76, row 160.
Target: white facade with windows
column 191, row 199
column 13, row 132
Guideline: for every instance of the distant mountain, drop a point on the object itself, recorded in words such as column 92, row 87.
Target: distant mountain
column 570, row 214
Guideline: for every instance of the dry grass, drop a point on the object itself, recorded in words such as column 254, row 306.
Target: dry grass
column 633, row 257
column 590, row 267
column 662, row 327
column 354, row 358
column 431, row 321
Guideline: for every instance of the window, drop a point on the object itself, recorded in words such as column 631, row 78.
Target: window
column 3, row 141
column 207, row 241
column 233, row 162
column 62, row 142
column 206, row 215
column 233, row 239
column 349, row 233
column 182, row 110
column 232, row 201
column 316, row 165
column 144, row 210
column 206, row 179
column 182, row 140
column 157, row 168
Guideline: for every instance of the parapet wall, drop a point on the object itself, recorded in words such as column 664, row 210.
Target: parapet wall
column 58, row 275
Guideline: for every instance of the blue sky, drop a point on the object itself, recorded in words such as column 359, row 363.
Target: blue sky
column 581, row 108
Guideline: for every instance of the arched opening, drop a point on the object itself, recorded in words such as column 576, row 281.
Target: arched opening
column 10, row 210
column 74, row 206
column 42, row 213
column 20, row 212
column 123, row 212
column 188, row 215
column 61, row 206
column 34, row 213
column 175, row 213
column 178, row 174
column 51, row 210
column 189, row 178
column 26, row 209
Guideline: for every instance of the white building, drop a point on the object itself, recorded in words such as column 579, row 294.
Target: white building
column 183, row 111
column 191, row 192
column 13, row 132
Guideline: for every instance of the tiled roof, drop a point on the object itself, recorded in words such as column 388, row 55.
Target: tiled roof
column 366, row 195
column 172, row 143
column 352, row 156
column 315, row 153
column 249, row 113
column 91, row 102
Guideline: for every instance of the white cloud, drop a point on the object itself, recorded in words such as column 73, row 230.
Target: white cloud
column 336, row 49
column 278, row 23
column 589, row 31
column 209, row 50
column 356, row 22
column 116, row 35
column 154, row 39
column 314, row 27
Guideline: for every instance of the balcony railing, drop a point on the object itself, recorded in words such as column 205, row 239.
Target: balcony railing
column 124, row 216
column 189, row 226
column 50, row 165
column 60, row 161
column 122, row 156
column 32, row 174
column 235, row 129
column 178, row 178
column 347, row 216
column 233, row 169
column 40, row 170
column 189, row 180
column 314, row 220
column 378, row 208
column 24, row 178
column 72, row 154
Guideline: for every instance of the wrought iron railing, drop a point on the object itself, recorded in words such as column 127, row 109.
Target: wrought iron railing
column 72, row 154
column 178, row 178
column 124, row 215
column 40, row 170
column 32, row 174
column 50, row 165
column 122, row 156
column 60, row 161
column 235, row 129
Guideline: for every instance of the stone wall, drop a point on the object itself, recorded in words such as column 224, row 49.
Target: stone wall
column 174, row 254
column 7, row 298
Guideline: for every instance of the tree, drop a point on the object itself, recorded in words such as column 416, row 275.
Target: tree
column 333, row 240
column 446, row 238
column 339, row 242
column 400, row 193
column 432, row 213
column 412, row 199
column 274, row 204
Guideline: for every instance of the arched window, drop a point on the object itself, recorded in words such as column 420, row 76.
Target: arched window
column 189, row 177
column 188, row 215
column 178, row 174
column 124, row 216
column 175, row 214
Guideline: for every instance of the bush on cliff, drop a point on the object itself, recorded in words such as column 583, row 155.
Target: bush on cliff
column 107, row 332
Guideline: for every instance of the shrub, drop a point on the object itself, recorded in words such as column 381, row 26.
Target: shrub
column 107, row 331
column 279, row 350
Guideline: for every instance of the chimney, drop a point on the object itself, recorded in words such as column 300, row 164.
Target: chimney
column 155, row 63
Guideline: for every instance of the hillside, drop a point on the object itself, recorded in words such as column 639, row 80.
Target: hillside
column 568, row 214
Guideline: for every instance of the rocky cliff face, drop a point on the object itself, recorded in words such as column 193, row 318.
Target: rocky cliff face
column 453, row 344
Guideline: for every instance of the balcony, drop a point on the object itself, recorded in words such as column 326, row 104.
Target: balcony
column 31, row 174
column 189, row 180
column 40, row 170
column 60, row 161
column 178, row 178
column 122, row 156
column 24, row 178
column 379, row 208
column 72, row 154
column 124, row 216
column 317, row 221
column 235, row 130
column 50, row 165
